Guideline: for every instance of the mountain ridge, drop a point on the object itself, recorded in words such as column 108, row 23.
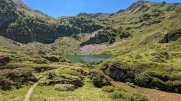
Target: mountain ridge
column 144, row 41
column 52, row 29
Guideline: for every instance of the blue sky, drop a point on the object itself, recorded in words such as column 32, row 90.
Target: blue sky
column 57, row 8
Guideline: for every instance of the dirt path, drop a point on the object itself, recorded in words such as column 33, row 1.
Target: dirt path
column 152, row 94
column 28, row 94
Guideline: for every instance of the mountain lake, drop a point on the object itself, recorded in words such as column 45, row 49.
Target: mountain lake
column 91, row 59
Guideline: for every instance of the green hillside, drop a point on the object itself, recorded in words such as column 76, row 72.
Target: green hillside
column 144, row 41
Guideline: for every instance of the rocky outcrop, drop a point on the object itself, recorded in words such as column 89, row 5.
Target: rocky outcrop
column 119, row 75
column 118, row 71
column 171, row 36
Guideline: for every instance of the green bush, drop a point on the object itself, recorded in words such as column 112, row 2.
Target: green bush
column 158, row 74
column 173, row 86
column 42, row 68
column 143, row 80
column 138, row 56
column 40, row 61
column 52, row 58
column 121, row 94
column 140, row 97
column 51, row 75
column 6, row 84
column 121, row 65
column 117, row 95
column 4, row 59
column 64, row 87
column 108, row 89
column 158, row 83
column 130, row 84
column 15, row 78
column 163, row 77
column 99, row 79
column 64, row 76
column 104, row 65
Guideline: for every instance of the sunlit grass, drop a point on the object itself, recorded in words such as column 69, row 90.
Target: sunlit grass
column 14, row 95
column 86, row 93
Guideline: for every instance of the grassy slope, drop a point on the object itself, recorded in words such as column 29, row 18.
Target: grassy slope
column 145, row 40
column 13, row 95
column 88, row 92
column 144, row 53
column 62, row 46
column 140, row 48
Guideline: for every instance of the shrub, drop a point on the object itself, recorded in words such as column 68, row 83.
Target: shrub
column 6, row 83
column 64, row 60
column 140, row 97
column 108, row 89
column 40, row 61
column 64, row 76
column 174, row 86
column 42, row 68
column 104, row 66
column 143, row 80
column 158, row 83
column 52, row 58
column 123, row 95
column 138, row 56
column 116, row 64
column 157, row 74
column 130, row 84
column 99, row 79
column 51, row 74
column 16, row 77
column 64, row 87
column 117, row 95
column 4, row 59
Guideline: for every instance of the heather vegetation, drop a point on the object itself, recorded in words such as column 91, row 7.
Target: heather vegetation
column 33, row 46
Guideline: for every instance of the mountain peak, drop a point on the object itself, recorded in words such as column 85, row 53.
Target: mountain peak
column 17, row 1
column 138, row 6
column 20, row 3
